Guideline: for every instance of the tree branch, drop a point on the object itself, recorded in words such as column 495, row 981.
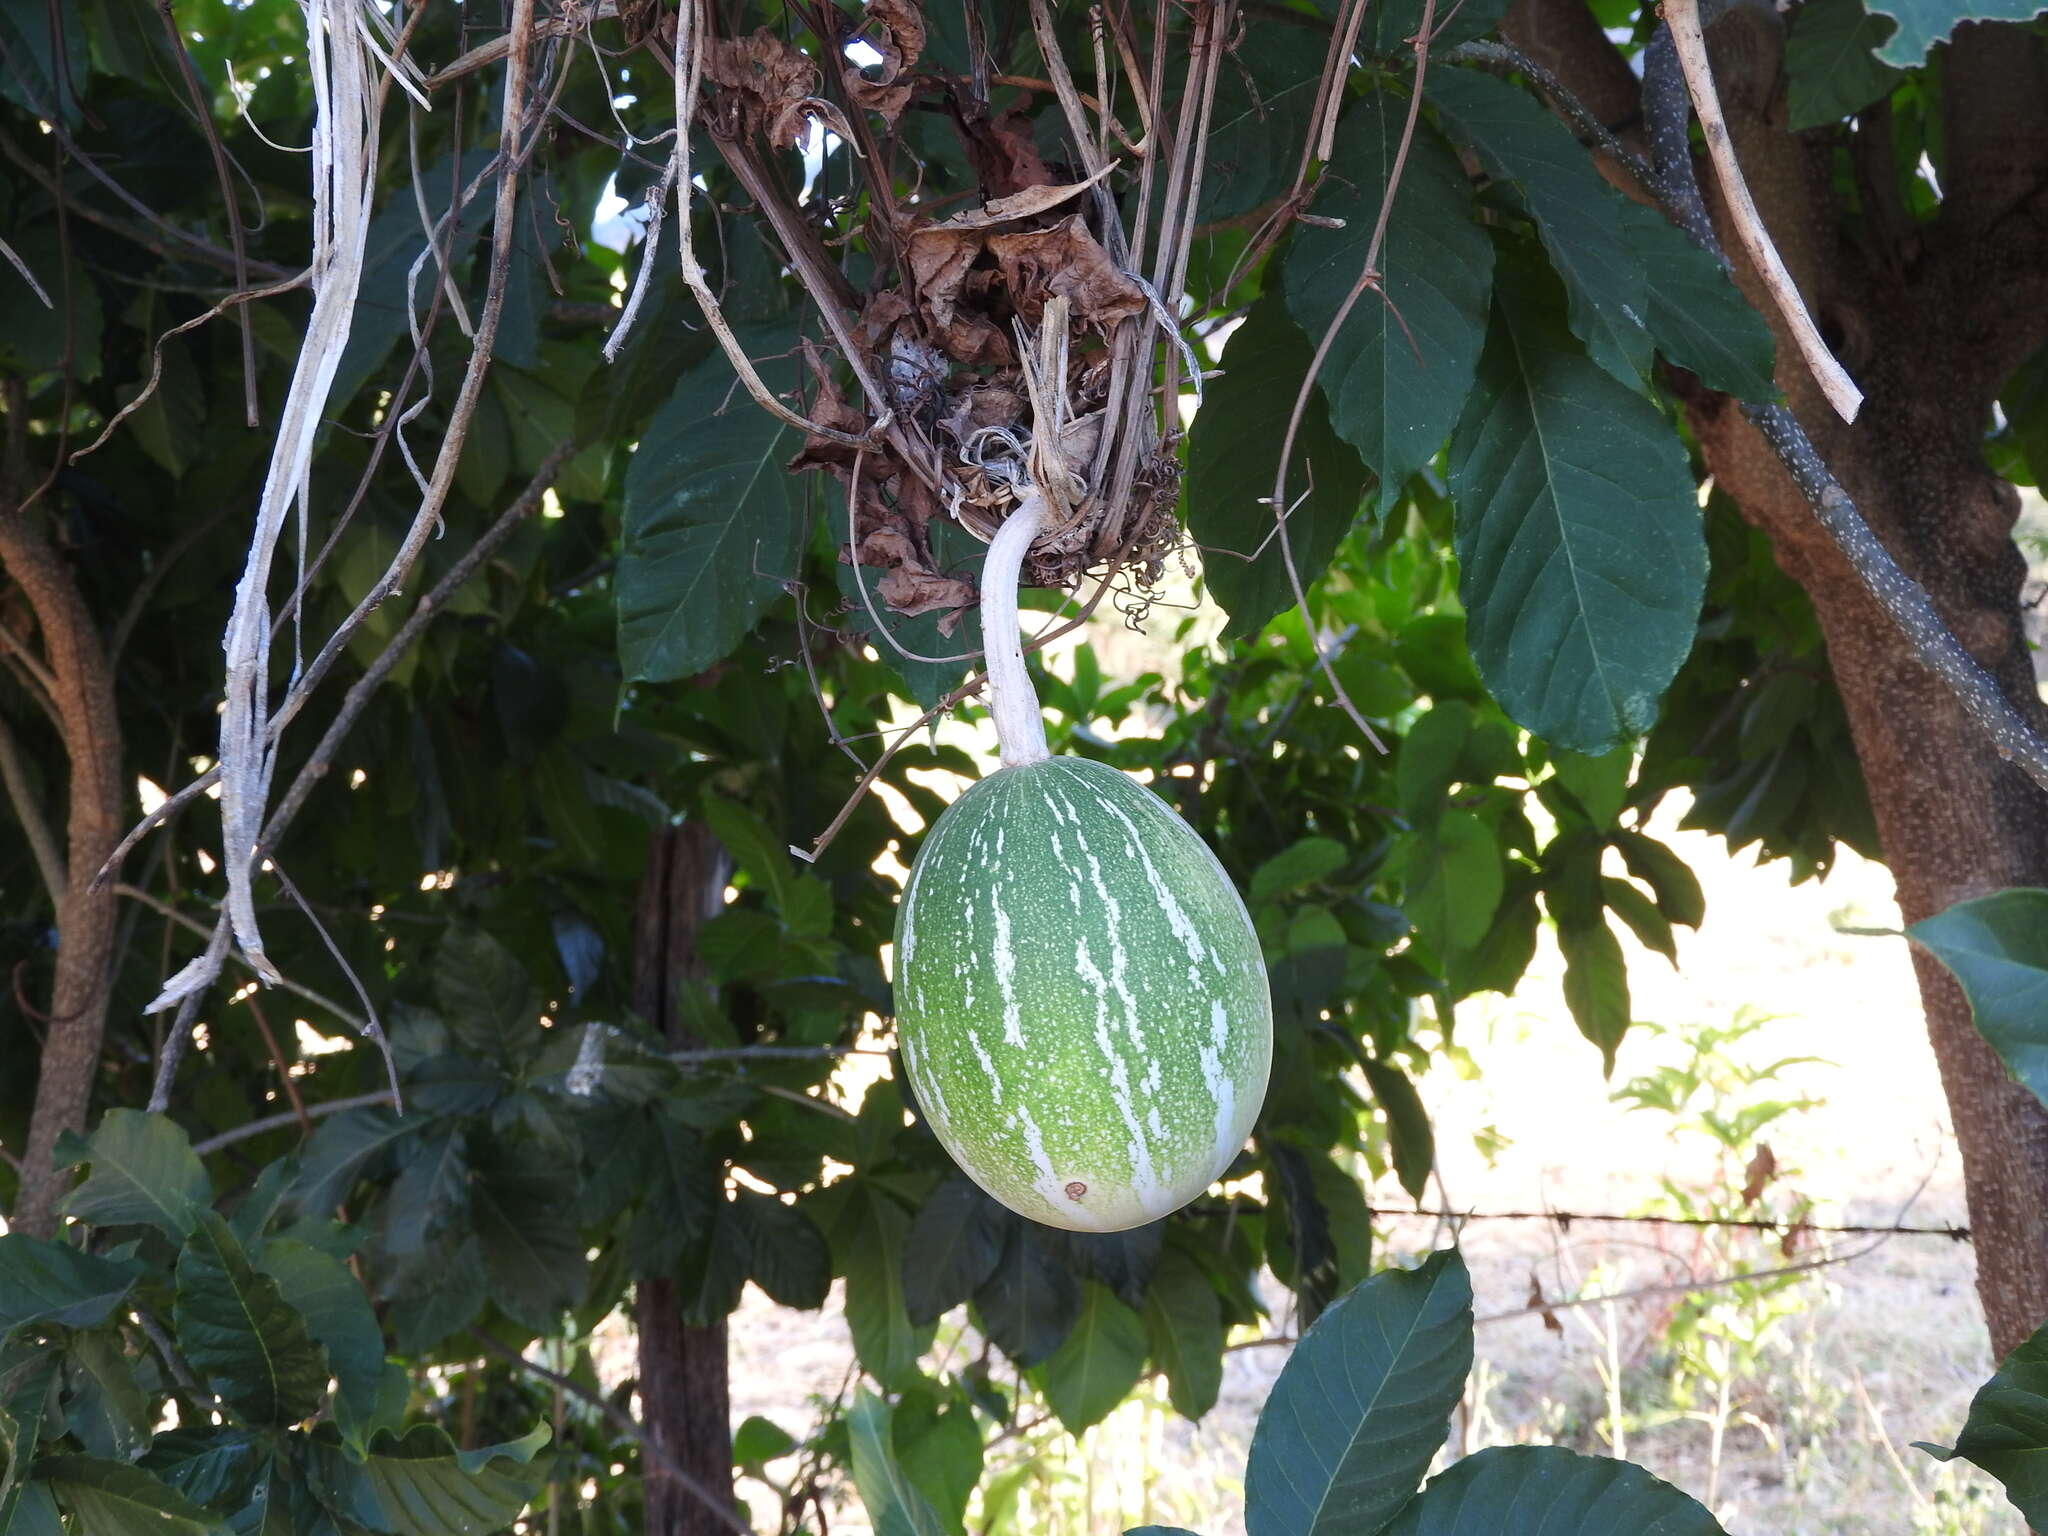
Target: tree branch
column 249, row 1130
column 29, row 812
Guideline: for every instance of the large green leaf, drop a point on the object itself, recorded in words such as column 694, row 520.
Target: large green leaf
column 786, row 1253
column 1831, row 65
column 868, row 1243
column 421, row 1485
column 1099, row 1362
column 894, row 1506
column 1923, row 23
column 1265, row 93
column 26, row 1376
column 111, row 1498
column 1233, row 449
column 524, row 1209
column 41, row 78
column 938, row 1444
column 1545, row 1490
column 1596, row 983
column 1029, row 1300
column 54, row 1282
column 486, row 996
column 240, row 1334
column 1581, row 560
column 1391, row 27
column 347, row 1147
column 1183, row 1319
column 953, row 1244
column 144, row 1173
column 2007, row 1431
column 713, row 521
column 319, row 1287
column 1578, row 215
column 1363, row 1405
column 1402, row 363
column 1997, row 945
column 1696, row 315
column 34, row 1513
column 1412, row 1141
column 1453, row 880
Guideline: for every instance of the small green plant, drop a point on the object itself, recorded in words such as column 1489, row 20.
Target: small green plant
column 1716, row 1339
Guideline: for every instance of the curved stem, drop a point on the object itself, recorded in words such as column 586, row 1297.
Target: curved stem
column 1012, row 701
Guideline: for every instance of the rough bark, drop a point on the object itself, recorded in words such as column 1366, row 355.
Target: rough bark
column 1930, row 321
column 684, row 1401
column 83, row 693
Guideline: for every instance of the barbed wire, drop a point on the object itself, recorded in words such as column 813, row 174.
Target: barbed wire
column 1564, row 1220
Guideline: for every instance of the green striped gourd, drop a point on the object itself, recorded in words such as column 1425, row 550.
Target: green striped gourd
column 1080, row 996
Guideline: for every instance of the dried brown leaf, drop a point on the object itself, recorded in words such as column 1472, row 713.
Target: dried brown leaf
column 1018, row 205
column 1763, row 1165
column 1065, row 262
column 900, row 41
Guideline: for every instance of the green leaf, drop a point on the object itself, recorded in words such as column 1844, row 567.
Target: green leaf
column 525, row 1217
column 1363, row 1405
column 1923, row 23
column 2007, row 1431
column 35, row 78
column 1545, row 1490
column 894, row 1507
column 1599, row 784
column 1265, row 91
column 1596, row 984
column 1099, row 1362
column 1679, row 896
column 938, row 1445
column 1390, row 27
column 430, row 1193
column 1233, row 448
column 1304, row 863
column 759, row 1441
column 54, row 1282
column 34, row 1513
column 486, row 995
column 788, row 1257
column 1582, row 564
column 1408, row 1129
column 1402, row 364
column 1183, row 1319
column 1427, row 760
column 1997, row 946
column 1029, row 1301
column 952, row 1246
column 1697, row 316
column 144, row 1173
column 1578, row 215
column 422, row 1485
column 868, row 1243
column 104, row 1404
column 319, row 1287
column 26, row 1376
column 240, row 1334
column 37, row 336
column 110, row 1498
column 1831, row 64
column 347, row 1147
column 1453, row 880
column 713, row 521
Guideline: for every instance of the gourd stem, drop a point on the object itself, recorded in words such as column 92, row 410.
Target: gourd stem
column 1012, row 701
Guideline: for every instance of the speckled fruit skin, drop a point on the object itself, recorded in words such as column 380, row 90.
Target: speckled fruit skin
column 1081, row 999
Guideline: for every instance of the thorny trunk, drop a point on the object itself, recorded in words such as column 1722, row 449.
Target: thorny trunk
column 82, row 690
column 684, row 1401
column 1930, row 319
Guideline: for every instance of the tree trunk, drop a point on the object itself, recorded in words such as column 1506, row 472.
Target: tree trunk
column 82, row 689
column 1930, row 318
column 684, row 1401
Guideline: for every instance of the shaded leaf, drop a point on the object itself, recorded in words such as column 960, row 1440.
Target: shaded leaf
column 1453, row 880
column 1265, row 92
column 1596, row 984
column 953, row 1244
column 1545, row 1490
column 1401, row 365
column 1183, row 1320
column 347, row 1147
column 1679, row 896
column 868, row 1243
column 1578, row 215
column 1302, row 863
column 144, row 1173
column 1233, row 449
column 1408, row 1129
column 111, row 1498
column 1097, row 1364
column 54, row 1282
column 787, row 1255
column 485, row 995
column 1696, row 315
column 1363, row 1405
column 525, row 1222
column 319, row 1287
column 1029, row 1301
column 712, row 520
column 239, row 1333
column 1832, row 70
column 1581, row 559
